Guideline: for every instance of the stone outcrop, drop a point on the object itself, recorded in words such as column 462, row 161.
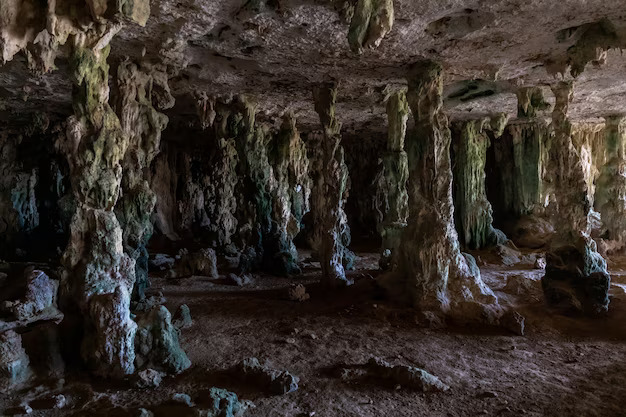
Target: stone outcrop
column 472, row 209
column 330, row 198
column 14, row 363
column 576, row 277
column 431, row 273
column 394, row 176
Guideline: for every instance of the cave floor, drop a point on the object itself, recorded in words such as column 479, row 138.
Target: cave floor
column 562, row 366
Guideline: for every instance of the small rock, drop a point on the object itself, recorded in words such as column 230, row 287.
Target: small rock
column 161, row 262
column 225, row 404
column 239, row 280
column 182, row 317
column 298, row 293
column 404, row 376
column 540, row 262
column 278, row 382
column 145, row 413
column 14, row 362
column 488, row 394
column 513, row 321
column 149, row 378
column 59, row 401
column 182, row 399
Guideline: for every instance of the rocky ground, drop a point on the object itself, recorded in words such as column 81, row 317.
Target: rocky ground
column 562, row 366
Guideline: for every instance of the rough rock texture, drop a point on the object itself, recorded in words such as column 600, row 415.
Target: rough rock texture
column 40, row 298
column 224, row 403
column 406, row 376
column 431, row 271
column 576, row 274
column 610, row 190
column 473, row 213
column 394, row 175
column 330, row 198
column 370, row 23
column 13, row 360
column 277, row 382
column 202, row 262
column 157, row 342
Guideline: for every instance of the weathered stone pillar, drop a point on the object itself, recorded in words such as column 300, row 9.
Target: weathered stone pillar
column 430, row 269
column 610, row 196
column 142, row 124
column 290, row 195
column 473, row 213
column 98, row 273
column 395, row 174
column 330, row 202
column 576, row 275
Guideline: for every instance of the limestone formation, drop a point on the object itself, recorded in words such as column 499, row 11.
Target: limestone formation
column 530, row 101
column 371, row 22
column 610, row 192
column 14, row 362
column 330, row 201
column 576, row 276
column 40, row 298
column 394, row 176
column 431, row 273
column 473, row 212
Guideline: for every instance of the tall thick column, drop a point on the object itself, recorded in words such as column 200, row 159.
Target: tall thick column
column 610, row 196
column 99, row 275
column 430, row 269
column 395, row 174
column 330, row 202
column 472, row 210
column 576, row 275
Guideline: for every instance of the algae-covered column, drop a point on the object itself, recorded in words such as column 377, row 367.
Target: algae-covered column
column 473, row 213
column 610, row 197
column 395, row 174
column 289, row 196
column 98, row 273
column 576, row 275
column 431, row 270
column 142, row 124
column 330, row 202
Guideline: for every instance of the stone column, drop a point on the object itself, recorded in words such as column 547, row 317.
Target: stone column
column 576, row 276
column 395, row 174
column 473, row 213
column 610, row 197
column 142, row 124
column 330, row 202
column 431, row 273
column 98, row 273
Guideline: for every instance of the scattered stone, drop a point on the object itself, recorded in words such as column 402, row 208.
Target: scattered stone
column 182, row 317
column 239, row 280
column 182, row 399
column 540, row 262
column 162, row 262
column 513, row 321
column 406, row 376
column 277, row 382
column 149, row 378
column 157, row 344
column 14, row 362
column 298, row 293
column 224, row 403
column 59, row 401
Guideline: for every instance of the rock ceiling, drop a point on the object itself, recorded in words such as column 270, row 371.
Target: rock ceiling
column 276, row 50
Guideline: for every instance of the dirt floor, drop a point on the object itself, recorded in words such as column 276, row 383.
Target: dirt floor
column 563, row 366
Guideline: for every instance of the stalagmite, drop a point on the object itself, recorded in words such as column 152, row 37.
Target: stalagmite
column 576, row 275
column 431, row 271
column 473, row 213
column 290, row 196
column 143, row 125
column 394, row 176
column 330, row 202
column 610, row 196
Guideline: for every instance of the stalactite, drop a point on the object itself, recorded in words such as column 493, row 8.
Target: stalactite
column 330, row 201
column 576, row 274
column 473, row 212
column 610, row 192
column 394, row 176
column 370, row 23
column 431, row 271
column 529, row 101
column 142, row 124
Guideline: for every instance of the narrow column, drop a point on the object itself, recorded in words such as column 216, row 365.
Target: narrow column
column 431, row 270
column 473, row 212
column 610, row 197
column 395, row 174
column 331, row 200
column 576, row 275
column 97, row 271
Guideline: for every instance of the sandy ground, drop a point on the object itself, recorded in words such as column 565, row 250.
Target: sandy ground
column 562, row 367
